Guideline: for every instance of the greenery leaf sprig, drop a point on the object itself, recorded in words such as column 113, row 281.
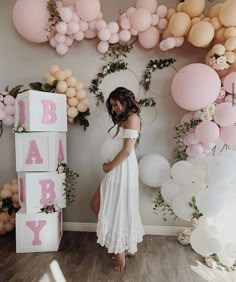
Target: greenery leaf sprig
column 54, row 15
column 118, row 50
column 8, row 204
column 221, row 266
column 48, row 209
column 44, row 87
column 69, row 183
column 152, row 66
column 147, row 102
column 196, row 214
column 110, row 68
column 82, row 120
column 160, row 206
column 181, row 130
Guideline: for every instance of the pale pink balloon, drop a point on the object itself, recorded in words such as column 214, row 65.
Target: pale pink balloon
column 100, row 24
column 9, row 100
column 229, row 83
column 2, row 114
column 133, row 31
column 187, row 117
column 68, row 2
column 103, row 47
column 170, row 43
column 208, row 146
column 207, row 131
column 130, row 11
column 83, row 25
column 30, row 19
column 69, row 41
column 149, row 5
column 92, row 25
column 185, row 141
column 114, row 38
column 189, row 151
column 75, row 17
column 66, row 14
column 228, row 135
column 104, row 34
column 60, row 38
column 141, row 19
column 225, row 114
column 61, row 27
column 9, row 110
column 79, row 36
column 8, row 120
column 73, row 27
column 53, row 42
column 192, row 91
column 88, row 10
column 125, row 35
column 62, row 49
column 90, row 34
column 162, row 24
column 113, row 26
column 161, row 11
column 179, row 41
column 149, row 38
column 125, row 23
column 192, row 140
column 163, row 46
column 155, row 19
column 197, row 149
column 1, row 105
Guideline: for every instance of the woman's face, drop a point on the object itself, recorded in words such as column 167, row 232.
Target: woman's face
column 117, row 107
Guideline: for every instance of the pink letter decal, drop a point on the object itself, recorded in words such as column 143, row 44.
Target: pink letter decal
column 48, row 193
column 22, row 190
column 34, row 153
column 49, row 108
column 60, row 155
column 36, row 228
column 21, row 107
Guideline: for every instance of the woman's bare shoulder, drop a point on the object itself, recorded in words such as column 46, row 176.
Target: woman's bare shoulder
column 133, row 122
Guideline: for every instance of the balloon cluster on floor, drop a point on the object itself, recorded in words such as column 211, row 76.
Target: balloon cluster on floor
column 7, row 108
column 8, row 206
column 77, row 101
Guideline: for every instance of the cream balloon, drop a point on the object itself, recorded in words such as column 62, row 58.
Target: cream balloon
column 53, row 69
column 230, row 57
column 216, row 23
column 73, row 102
column 227, row 13
column 180, row 7
column 72, row 112
column 50, row 80
column 179, row 24
column 81, row 94
column 82, row 107
column 67, row 72
column 201, row 34
column 170, row 13
column 70, row 92
column 79, row 85
column 166, row 33
column 14, row 188
column 14, row 181
column 218, row 49
column 60, row 75
column 230, row 32
column 219, row 34
column 230, row 44
column 214, row 10
column 193, row 8
column 71, row 81
column 9, row 226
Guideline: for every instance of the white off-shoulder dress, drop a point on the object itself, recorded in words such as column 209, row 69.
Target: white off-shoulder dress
column 119, row 225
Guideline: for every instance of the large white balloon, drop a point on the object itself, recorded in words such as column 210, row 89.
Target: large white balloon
column 182, row 172
column 181, row 206
column 169, row 190
column 154, row 170
column 198, row 240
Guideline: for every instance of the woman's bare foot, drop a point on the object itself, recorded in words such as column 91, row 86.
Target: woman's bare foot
column 120, row 262
column 127, row 254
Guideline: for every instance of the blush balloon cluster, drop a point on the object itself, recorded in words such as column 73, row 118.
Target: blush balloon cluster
column 7, row 108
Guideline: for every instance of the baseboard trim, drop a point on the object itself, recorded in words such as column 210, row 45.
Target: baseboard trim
column 149, row 229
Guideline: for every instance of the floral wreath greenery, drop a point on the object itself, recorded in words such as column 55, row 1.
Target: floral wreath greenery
column 69, row 183
column 7, row 203
column 152, row 66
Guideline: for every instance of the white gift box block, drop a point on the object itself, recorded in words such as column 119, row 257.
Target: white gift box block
column 38, row 232
column 41, row 111
column 38, row 189
column 40, row 151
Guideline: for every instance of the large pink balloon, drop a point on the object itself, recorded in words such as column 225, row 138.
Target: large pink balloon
column 88, row 10
column 228, row 135
column 207, row 131
column 150, row 5
column 149, row 38
column 141, row 19
column 225, row 114
column 30, row 18
column 229, row 82
column 195, row 86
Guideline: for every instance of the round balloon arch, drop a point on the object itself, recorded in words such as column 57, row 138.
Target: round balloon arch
column 206, row 91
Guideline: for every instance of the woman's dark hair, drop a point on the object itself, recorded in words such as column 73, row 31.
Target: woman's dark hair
column 127, row 100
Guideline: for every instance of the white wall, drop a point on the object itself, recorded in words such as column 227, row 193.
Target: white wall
column 22, row 62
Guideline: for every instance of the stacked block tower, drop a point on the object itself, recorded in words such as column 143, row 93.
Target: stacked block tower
column 38, row 151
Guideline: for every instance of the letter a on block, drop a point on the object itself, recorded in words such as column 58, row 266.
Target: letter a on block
column 60, row 156
column 48, row 193
column 21, row 106
column 49, row 109
column 34, row 153
column 36, row 228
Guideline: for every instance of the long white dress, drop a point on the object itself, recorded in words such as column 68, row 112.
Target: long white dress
column 119, row 225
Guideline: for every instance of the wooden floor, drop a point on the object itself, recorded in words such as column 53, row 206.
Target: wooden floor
column 80, row 258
